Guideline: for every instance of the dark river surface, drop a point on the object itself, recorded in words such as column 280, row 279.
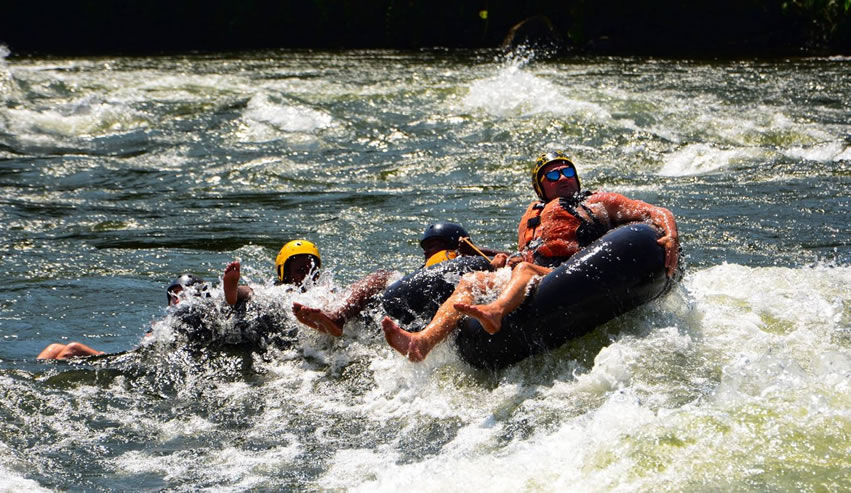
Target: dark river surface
column 118, row 174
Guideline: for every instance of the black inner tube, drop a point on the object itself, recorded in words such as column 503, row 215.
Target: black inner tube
column 414, row 299
column 620, row 271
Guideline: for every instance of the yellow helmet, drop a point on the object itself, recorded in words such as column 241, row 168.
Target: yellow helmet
column 543, row 160
column 295, row 247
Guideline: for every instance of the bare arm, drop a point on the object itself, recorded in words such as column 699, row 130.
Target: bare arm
column 621, row 210
column 363, row 290
column 63, row 351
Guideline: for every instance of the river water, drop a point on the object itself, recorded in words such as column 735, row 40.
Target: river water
column 118, row 174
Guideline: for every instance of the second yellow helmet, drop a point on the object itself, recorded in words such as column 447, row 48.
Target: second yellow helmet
column 295, row 247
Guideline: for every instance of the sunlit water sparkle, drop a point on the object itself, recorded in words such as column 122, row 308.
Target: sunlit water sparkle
column 120, row 173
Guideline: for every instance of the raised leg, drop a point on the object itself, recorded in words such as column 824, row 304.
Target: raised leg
column 417, row 345
column 491, row 314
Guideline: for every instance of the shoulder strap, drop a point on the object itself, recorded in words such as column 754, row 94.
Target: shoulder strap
column 570, row 203
column 590, row 214
column 534, row 222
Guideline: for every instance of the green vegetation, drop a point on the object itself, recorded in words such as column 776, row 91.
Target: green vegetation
column 655, row 27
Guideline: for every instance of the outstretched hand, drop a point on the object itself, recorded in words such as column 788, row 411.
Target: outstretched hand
column 499, row 260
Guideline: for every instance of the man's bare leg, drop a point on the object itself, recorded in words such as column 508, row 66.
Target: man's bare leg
column 410, row 344
column 417, row 345
column 491, row 314
column 360, row 293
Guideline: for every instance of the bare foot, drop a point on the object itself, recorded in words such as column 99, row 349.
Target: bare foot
column 317, row 319
column 490, row 318
column 230, row 280
column 407, row 343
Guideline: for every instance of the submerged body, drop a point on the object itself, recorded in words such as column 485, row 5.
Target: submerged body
column 440, row 242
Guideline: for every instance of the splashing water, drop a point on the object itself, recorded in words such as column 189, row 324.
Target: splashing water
column 121, row 173
column 8, row 88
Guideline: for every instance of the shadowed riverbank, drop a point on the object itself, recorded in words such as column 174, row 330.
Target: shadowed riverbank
column 728, row 28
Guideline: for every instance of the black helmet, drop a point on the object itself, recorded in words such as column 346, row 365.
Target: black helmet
column 184, row 281
column 447, row 231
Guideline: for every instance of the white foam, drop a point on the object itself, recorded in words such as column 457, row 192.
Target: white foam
column 12, row 479
column 611, row 370
column 266, row 119
column 823, row 152
column 725, row 133
column 696, row 159
column 805, row 298
column 515, row 92
column 619, row 426
column 773, row 330
column 568, row 458
column 12, row 482
column 182, row 88
column 356, row 463
column 7, row 83
column 82, row 118
column 240, row 468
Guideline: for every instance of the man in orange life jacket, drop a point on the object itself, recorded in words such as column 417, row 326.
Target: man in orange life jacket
column 564, row 221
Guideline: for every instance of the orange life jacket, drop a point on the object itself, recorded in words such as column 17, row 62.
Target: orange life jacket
column 552, row 232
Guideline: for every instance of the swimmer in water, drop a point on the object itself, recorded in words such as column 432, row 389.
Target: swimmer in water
column 175, row 293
